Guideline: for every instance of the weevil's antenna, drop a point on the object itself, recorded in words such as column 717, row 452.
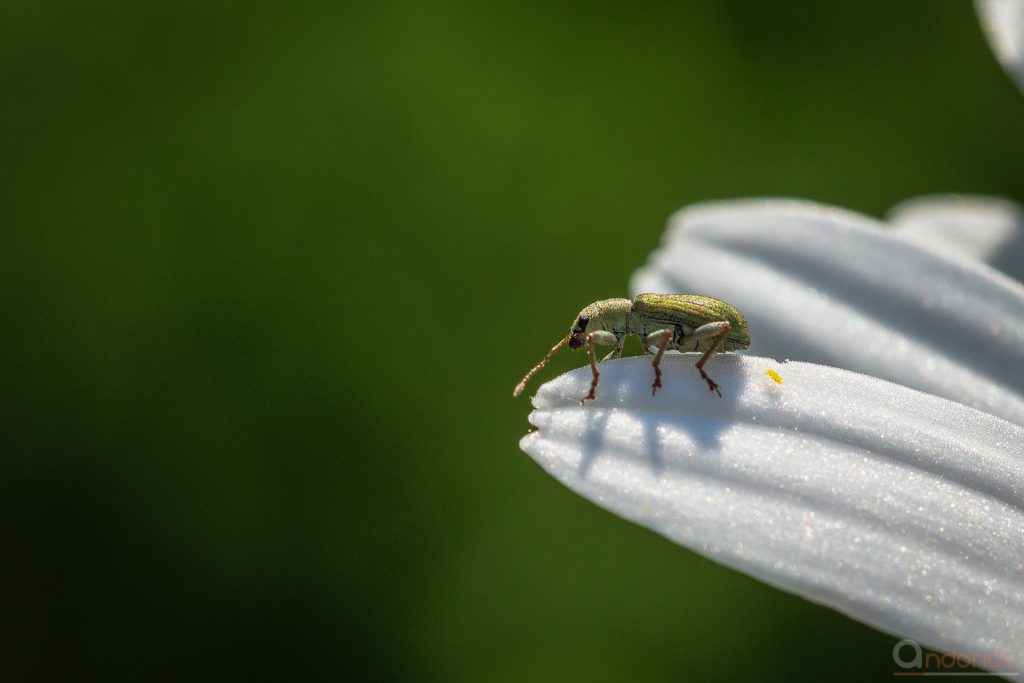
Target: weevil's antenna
column 522, row 383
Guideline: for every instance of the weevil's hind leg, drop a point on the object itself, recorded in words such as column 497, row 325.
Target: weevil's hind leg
column 718, row 330
column 661, row 338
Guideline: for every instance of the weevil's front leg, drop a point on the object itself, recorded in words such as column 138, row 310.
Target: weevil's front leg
column 603, row 338
column 661, row 338
column 718, row 330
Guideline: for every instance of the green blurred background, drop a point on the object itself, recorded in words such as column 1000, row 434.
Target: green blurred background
column 270, row 272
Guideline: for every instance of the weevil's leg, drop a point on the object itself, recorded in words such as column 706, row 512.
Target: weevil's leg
column 593, row 366
column 661, row 338
column 719, row 331
column 604, row 338
column 617, row 353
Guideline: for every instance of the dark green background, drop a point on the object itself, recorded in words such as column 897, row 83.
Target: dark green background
column 270, row 273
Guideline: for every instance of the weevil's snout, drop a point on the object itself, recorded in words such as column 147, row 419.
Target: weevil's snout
column 577, row 332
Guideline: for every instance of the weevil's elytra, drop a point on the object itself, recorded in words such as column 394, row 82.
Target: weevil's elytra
column 679, row 322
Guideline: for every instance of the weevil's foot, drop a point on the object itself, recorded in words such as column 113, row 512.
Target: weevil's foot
column 589, row 396
column 655, row 386
column 712, row 384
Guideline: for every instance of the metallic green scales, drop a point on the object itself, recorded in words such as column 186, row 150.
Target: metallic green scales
column 651, row 312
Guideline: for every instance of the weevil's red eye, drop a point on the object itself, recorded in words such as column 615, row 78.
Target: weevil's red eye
column 582, row 322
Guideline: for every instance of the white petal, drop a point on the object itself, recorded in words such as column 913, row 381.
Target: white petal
column 898, row 508
column 829, row 286
column 1003, row 22
column 984, row 228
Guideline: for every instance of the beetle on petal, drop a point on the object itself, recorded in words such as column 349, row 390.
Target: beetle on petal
column 680, row 322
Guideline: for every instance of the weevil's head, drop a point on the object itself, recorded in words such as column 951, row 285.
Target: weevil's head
column 578, row 331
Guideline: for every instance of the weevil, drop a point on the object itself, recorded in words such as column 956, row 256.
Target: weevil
column 680, row 322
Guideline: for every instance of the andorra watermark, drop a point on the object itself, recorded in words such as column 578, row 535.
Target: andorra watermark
column 914, row 660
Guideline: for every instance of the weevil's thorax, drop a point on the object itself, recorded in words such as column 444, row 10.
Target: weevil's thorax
column 609, row 315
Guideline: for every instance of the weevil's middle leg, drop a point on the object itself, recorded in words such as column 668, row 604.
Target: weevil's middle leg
column 720, row 330
column 652, row 338
column 615, row 353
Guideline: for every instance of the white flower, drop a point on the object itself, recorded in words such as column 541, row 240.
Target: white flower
column 980, row 228
column 829, row 286
column 895, row 496
column 1003, row 21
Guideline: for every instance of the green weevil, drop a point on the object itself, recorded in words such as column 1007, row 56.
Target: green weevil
column 681, row 322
